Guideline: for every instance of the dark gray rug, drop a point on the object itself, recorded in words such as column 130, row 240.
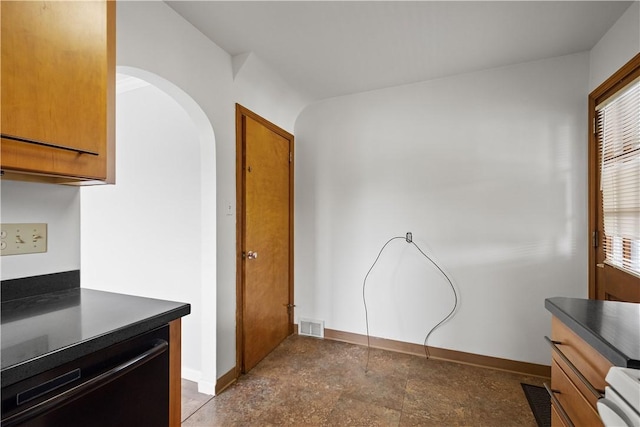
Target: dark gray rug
column 539, row 402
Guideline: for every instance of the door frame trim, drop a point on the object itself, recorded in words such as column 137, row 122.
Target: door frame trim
column 625, row 75
column 242, row 112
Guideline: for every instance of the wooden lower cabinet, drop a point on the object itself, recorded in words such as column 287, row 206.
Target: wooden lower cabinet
column 572, row 400
column 556, row 418
column 577, row 378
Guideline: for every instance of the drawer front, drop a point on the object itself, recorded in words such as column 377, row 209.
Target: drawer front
column 578, row 408
column 556, row 419
column 591, row 364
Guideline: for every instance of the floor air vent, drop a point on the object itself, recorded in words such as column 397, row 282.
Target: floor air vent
column 311, row 328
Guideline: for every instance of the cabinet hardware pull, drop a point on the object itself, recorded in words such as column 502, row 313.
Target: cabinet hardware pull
column 554, row 345
column 558, row 405
column 46, row 144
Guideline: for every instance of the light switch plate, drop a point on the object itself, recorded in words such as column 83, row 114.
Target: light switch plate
column 16, row 239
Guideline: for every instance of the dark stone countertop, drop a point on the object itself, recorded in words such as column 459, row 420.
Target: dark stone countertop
column 40, row 332
column 611, row 327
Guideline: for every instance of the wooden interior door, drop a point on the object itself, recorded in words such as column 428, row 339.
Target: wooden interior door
column 266, row 285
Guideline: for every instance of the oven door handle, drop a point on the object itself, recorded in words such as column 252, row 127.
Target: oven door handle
column 605, row 405
column 68, row 396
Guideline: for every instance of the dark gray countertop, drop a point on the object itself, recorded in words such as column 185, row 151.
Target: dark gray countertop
column 42, row 331
column 611, row 327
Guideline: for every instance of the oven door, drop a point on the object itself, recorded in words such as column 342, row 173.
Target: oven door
column 616, row 412
column 123, row 385
column 620, row 405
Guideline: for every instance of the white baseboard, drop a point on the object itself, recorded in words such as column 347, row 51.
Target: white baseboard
column 191, row 374
column 204, row 387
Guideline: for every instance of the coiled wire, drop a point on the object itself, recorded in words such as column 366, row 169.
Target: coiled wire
column 364, row 299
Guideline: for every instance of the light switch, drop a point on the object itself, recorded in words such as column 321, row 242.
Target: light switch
column 16, row 239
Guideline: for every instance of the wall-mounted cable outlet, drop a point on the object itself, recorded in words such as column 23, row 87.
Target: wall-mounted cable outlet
column 17, row 239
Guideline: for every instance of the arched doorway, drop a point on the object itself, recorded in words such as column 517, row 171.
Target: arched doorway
column 154, row 232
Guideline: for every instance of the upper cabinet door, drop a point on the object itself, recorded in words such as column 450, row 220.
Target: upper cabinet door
column 58, row 88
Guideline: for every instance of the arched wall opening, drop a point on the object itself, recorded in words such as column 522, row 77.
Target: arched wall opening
column 154, row 232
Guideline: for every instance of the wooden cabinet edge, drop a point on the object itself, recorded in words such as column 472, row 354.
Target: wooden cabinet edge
column 111, row 93
column 13, row 175
column 175, row 374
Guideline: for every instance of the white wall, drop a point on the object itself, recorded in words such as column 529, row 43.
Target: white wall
column 143, row 235
column 152, row 37
column 259, row 88
column 616, row 47
column 155, row 43
column 56, row 205
column 487, row 170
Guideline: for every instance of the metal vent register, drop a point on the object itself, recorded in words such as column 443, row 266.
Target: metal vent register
column 311, row 328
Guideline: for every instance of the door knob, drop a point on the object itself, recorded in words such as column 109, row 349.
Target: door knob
column 252, row 255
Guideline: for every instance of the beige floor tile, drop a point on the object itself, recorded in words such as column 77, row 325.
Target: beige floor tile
column 312, row 382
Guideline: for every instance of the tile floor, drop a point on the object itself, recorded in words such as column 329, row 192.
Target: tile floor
column 191, row 399
column 311, row 382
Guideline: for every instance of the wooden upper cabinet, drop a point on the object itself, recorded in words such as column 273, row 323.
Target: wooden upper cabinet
column 58, row 90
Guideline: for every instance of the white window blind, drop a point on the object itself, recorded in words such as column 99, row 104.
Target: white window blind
column 618, row 127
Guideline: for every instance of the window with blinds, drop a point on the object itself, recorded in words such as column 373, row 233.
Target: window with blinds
column 618, row 132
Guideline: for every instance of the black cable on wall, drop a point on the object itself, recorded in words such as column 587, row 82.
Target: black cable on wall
column 409, row 239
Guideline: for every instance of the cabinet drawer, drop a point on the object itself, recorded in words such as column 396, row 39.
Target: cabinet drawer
column 578, row 408
column 556, row 419
column 591, row 364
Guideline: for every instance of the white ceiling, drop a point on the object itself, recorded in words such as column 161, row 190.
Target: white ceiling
column 331, row 48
